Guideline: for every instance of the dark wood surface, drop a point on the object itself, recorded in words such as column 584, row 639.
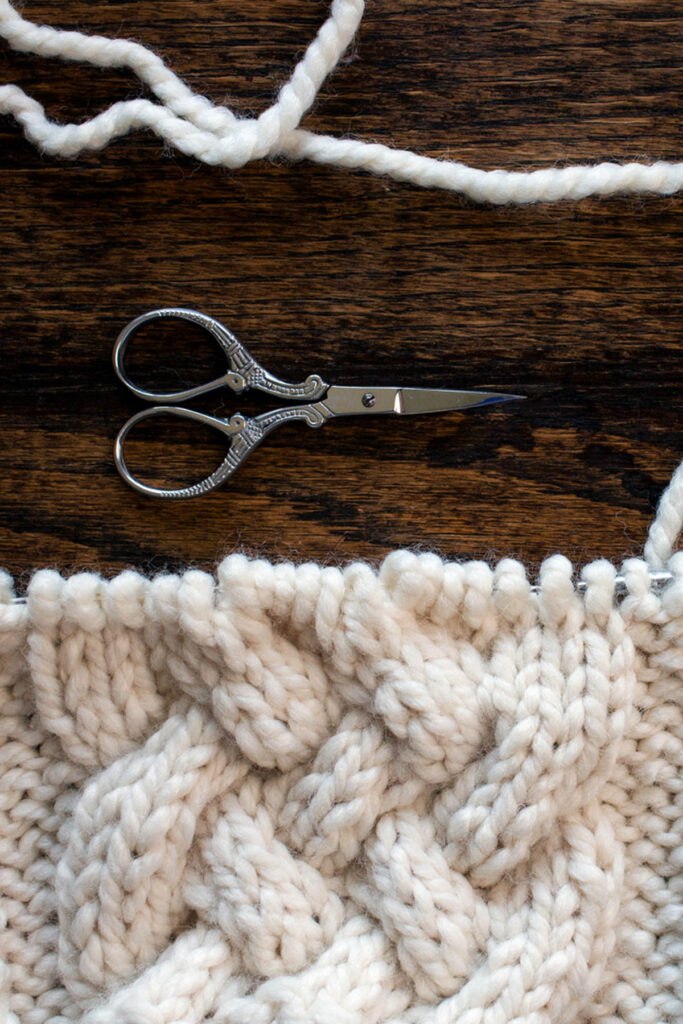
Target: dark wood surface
column 360, row 279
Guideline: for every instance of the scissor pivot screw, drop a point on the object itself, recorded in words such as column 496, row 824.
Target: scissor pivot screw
column 368, row 399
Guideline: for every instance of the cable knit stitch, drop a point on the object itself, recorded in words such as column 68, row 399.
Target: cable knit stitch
column 427, row 794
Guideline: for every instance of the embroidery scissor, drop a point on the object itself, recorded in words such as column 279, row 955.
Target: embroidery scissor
column 322, row 402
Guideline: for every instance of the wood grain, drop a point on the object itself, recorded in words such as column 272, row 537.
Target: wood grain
column 360, row 279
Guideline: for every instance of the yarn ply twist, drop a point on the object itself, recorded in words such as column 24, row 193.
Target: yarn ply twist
column 215, row 135
column 427, row 794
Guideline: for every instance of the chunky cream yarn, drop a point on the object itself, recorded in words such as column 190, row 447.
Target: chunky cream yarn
column 214, row 134
column 428, row 794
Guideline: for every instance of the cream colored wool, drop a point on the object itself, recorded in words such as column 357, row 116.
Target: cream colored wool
column 304, row 795
column 214, row 134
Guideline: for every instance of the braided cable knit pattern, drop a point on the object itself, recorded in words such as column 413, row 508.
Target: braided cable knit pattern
column 213, row 134
column 423, row 794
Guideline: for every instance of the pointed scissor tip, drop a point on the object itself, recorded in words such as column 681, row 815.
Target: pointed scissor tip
column 413, row 401
column 495, row 398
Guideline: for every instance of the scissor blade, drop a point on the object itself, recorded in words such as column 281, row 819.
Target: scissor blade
column 353, row 401
column 414, row 401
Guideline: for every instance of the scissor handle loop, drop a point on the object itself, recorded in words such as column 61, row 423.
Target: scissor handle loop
column 245, row 435
column 244, row 371
column 225, row 339
column 209, row 483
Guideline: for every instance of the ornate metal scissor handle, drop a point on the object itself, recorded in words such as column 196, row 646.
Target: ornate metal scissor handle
column 245, row 372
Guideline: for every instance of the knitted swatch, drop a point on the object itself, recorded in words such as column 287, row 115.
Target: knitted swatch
column 428, row 794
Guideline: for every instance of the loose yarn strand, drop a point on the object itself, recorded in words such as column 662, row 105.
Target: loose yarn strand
column 667, row 524
column 214, row 135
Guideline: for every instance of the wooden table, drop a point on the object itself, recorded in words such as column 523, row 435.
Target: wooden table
column 361, row 279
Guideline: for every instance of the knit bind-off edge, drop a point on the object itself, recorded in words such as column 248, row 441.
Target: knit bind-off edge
column 432, row 586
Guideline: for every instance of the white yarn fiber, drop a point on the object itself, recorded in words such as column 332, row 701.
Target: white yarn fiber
column 428, row 794
column 215, row 135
